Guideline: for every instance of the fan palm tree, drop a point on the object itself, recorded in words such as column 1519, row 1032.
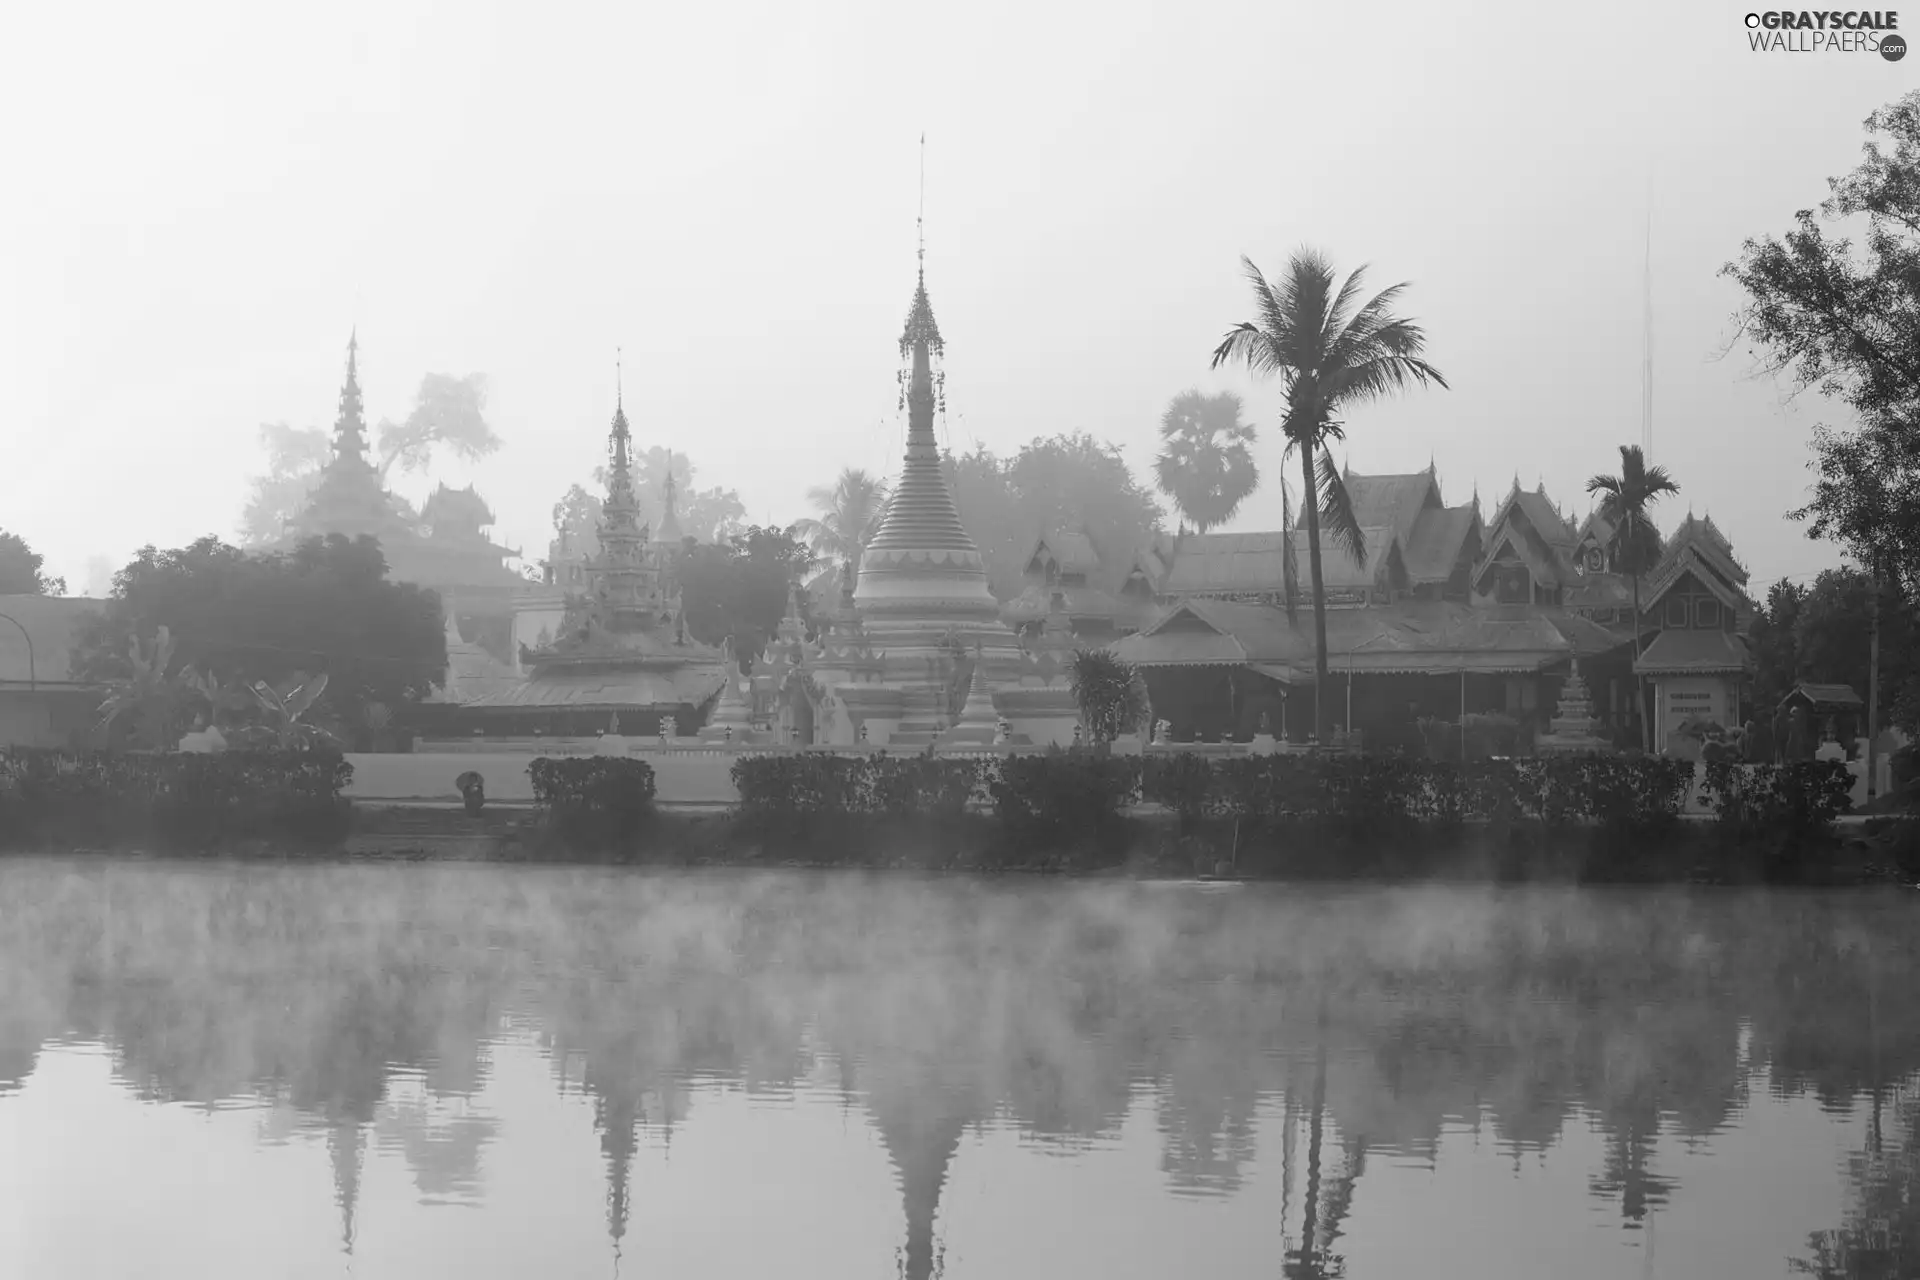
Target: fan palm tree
column 849, row 511
column 1624, row 503
column 1205, row 464
column 1331, row 351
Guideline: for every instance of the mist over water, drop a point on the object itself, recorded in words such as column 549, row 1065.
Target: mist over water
column 485, row 1071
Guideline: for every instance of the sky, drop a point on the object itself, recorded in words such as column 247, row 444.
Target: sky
column 204, row 202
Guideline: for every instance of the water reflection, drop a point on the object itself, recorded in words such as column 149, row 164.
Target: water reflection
column 1349, row 1074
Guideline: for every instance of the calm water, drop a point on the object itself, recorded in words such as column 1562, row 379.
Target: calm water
column 480, row 1072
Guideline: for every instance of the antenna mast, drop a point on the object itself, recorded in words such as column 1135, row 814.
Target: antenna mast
column 1646, row 338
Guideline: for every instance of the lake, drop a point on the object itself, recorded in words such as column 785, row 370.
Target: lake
column 249, row 1070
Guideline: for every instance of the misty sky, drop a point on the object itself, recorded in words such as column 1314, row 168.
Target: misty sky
column 204, row 202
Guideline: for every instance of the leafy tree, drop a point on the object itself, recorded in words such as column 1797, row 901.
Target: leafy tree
column 241, row 619
column 849, row 509
column 1206, row 465
column 447, row 414
column 20, row 573
column 1111, row 694
column 739, row 588
column 1624, row 503
column 1831, row 640
column 1774, row 642
column 1059, row 482
column 1331, row 352
column 1846, row 320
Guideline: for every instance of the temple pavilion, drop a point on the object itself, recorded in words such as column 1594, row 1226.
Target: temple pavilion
column 1449, row 611
column 446, row 547
column 621, row 656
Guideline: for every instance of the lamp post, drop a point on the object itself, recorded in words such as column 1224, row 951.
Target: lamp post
column 32, row 675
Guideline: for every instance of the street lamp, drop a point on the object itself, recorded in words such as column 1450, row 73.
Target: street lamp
column 32, row 676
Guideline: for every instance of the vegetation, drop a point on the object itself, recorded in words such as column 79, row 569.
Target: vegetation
column 739, row 589
column 593, row 802
column 1331, row 352
column 1056, row 483
column 20, row 573
column 1819, row 633
column 60, row 800
column 849, row 512
column 239, row 619
column 1845, row 319
column 448, row 413
column 1206, row 460
column 1111, row 694
column 1625, row 501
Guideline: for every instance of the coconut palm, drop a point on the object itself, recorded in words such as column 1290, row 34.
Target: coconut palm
column 1205, row 464
column 849, row 511
column 1331, row 351
column 1624, row 503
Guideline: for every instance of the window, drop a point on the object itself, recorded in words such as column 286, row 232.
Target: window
column 1706, row 613
column 1676, row 615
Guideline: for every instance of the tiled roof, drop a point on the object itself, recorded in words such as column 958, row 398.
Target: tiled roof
column 1434, row 545
column 606, row 690
column 1392, row 500
column 1827, row 695
column 1072, row 550
column 1036, row 602
column 52, row 622
column 1217, row 633
column 1695, row 652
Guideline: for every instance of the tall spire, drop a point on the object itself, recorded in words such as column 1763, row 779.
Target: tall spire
column 669, row 530
column 350, row 428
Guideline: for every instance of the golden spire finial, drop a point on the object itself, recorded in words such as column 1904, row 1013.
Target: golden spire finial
column 920, row 222
column 619, row 391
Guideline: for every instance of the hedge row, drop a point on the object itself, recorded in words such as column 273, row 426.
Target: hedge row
column 1078, row 788
column 593, row 802
column 174, row 803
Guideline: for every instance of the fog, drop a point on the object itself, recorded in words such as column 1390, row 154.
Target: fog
column 1590, row 1028
column 207, row 202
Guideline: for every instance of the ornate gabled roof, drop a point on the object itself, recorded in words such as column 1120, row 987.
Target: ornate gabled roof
column 1439, row 536
column 1202, row 632
column 1391, row 500
column 456, row 510
column 1072, row 550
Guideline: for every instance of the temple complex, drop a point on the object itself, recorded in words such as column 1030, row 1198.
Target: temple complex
column 1446, row 613
column 621, row 653
column 446, row 548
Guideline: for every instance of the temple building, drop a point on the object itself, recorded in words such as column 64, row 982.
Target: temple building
column 1446, row 613
column 900, row 670
column 621, row 656
column 447, row 547
column 1061, row 576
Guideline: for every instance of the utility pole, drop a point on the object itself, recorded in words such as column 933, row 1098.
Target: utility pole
column 1873, row 671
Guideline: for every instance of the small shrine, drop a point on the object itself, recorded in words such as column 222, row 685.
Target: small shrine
column 1574, row 729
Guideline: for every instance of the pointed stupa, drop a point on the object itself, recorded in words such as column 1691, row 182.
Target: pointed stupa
column 979, row 723
column 921, row 555
column 922, row 588
column 350, row 428
column 669, row 531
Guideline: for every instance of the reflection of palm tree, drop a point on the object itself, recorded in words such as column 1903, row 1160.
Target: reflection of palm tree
column 346, row 1150
column 1313, row 1260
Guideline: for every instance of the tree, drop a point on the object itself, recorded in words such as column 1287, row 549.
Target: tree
column 849, row 509
column 1056, row 483
column 1205, row 463
column 20, row 573
column 1820, row 633
column 1847, row 322
column 739, row 589
column 241, row 619
column 1624, row 504
column 1331, row 352
column 1774, row 642
column 447, row 413
column 1111, row 694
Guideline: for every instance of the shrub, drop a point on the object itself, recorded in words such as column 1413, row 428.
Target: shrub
column 599, row 802
column 177, row 803
column 1064, row 801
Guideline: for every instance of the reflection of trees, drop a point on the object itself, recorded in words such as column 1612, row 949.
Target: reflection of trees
column 365, row 1000
column 1880, row 1239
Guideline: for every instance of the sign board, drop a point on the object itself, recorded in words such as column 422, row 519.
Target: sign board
column 1684, row 698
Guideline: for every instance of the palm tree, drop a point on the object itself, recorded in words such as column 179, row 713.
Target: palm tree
column 1332, row 351
column 849, row 511
column 1624, row 501
column 1205, row 465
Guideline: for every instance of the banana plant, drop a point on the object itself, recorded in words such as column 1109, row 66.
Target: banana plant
column 147, row 696
column 221, row 697
column 283, row 707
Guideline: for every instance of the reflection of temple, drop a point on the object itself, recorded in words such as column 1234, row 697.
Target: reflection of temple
column 446, row 547
column 622, row 649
